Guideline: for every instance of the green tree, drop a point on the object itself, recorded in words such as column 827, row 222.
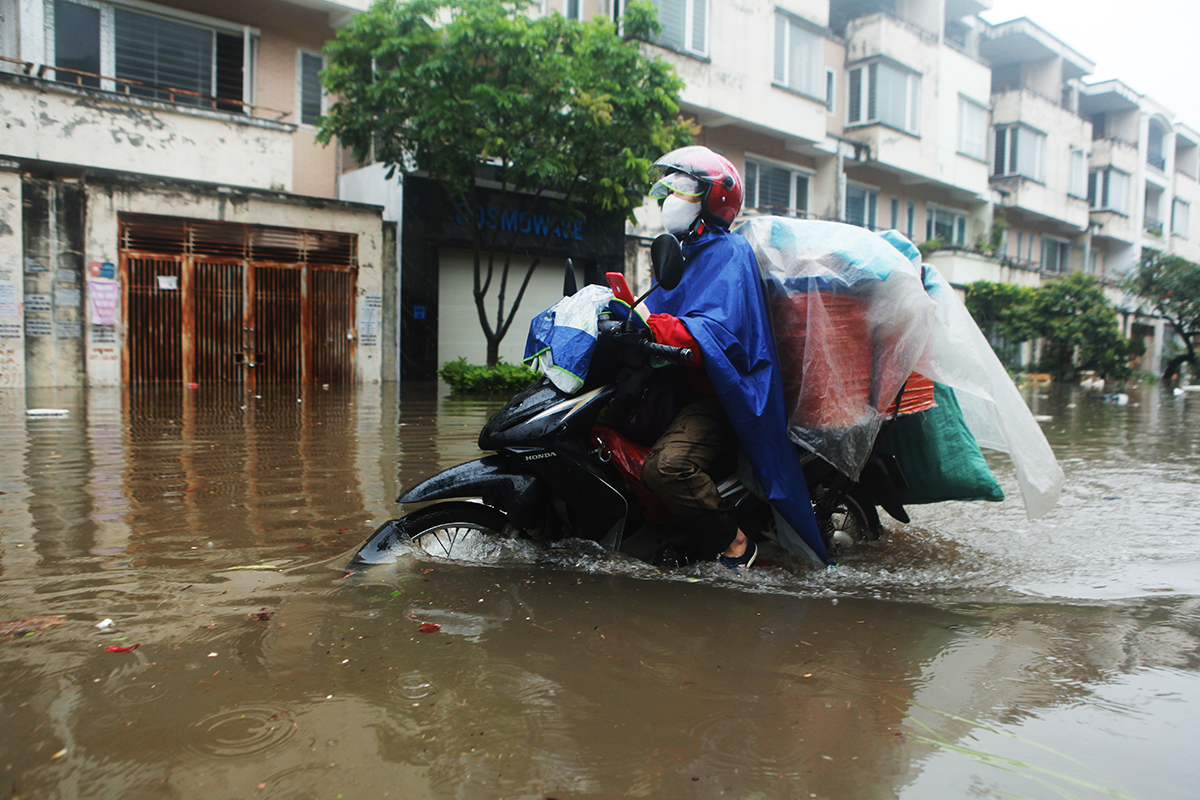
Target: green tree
column 1080, row 327
column 1170, row 287
column 566, row 112
column 1003, row 311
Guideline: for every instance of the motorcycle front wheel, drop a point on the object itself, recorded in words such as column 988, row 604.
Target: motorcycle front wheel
column 456, row 531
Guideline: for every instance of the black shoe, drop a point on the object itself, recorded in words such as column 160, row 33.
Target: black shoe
column 744, row 560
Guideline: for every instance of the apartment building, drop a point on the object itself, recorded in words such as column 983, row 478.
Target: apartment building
column 166, row 214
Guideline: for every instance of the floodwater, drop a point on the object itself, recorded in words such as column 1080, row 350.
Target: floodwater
column 970, row 654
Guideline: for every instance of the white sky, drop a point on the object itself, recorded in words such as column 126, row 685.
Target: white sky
column 1152, row 46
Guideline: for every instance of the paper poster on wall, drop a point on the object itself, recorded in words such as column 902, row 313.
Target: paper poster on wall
column 168, row 283
column 68, row 330
column 9, row 304
column 39, row 327
column 38, row 302
column 104, row 334
column 103, row 301
column 68, row 298
column 10, row 330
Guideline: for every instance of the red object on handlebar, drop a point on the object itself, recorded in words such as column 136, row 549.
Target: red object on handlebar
column 620, row 289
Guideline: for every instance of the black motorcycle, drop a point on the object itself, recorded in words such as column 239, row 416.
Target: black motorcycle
column 552, row 477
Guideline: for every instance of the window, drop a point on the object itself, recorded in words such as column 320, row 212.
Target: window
column 799, row 57
column 945, row 224
column 1108, row 190
column 311, row 95
column 830, row 89
column 1019, row 152
column 1056, row 255
column 776, row 190
column 1078, row 177
column 912, row 216
column 860, row 206
column 684, row 25
column 156, row 54
column 1179, row 218
column 972, row 128
column 881, row 92
column 895, row 213
column 573, row 9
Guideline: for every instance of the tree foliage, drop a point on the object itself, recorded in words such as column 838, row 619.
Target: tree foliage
column 1072, row 314
column 568, row 112
column 1170, row 287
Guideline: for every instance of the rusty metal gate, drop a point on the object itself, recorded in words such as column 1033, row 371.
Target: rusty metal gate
column 218, row 302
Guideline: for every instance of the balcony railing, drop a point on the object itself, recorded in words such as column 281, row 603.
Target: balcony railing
column 1154, row 227
column 125, row 87
column 1157, row 161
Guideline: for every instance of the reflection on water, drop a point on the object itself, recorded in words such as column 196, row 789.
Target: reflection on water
column 212, row 528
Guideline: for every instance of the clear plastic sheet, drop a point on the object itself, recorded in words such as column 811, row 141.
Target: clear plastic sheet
column 854, row 313
column 851, row 319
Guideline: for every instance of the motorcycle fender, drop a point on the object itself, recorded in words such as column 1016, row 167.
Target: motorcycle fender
column 502, row 482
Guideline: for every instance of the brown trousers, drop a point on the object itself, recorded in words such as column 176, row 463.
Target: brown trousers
column 699, row 443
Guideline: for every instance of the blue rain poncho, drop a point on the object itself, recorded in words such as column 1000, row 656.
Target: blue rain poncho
column 721, row 302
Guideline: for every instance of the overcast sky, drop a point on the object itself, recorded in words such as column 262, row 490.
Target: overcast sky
column 1152, row 46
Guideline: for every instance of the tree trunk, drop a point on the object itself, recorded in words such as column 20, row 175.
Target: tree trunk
column 1175, row 363
column 493, row 351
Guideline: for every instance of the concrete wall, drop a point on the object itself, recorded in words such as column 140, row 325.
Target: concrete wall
column 12, row 286
column 45, row 122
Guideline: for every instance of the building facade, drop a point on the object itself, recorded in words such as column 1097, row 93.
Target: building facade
column 166, row 214
column 159, row 172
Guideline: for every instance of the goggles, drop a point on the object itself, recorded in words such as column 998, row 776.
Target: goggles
column 678, row 183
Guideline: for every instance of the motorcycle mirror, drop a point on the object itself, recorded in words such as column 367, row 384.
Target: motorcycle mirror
column 666, row 258
column 569, row 286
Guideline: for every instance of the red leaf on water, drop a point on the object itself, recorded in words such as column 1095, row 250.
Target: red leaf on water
column 116, row 648
column 429, row 627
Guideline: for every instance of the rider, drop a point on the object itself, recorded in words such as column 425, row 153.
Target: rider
column 719, row 311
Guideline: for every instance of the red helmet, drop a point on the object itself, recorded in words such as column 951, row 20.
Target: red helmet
column 719, row 180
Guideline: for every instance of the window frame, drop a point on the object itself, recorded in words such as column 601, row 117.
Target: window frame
column 870, row 206
column 1012, row 152
column 795, row 174
column 1077, row 174
column 958, row 224
column 859, row 114
column 1176, row 229
column 1062, row 249
column 781, row 61
column 300, row 54
column 688, row 47
column 249, row 35
column 965, row 102
column 1100, row 191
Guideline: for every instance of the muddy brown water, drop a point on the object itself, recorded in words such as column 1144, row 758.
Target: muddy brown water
column 970, row 654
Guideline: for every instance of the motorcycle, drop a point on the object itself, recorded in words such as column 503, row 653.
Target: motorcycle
column 553, row 474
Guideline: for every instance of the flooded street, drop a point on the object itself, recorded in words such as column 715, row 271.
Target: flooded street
column 970, row 654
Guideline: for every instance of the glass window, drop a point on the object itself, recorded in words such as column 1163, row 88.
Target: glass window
column 1179, row 218
column 773, row 189
column 880, row 92
column 1078, row 176
column 684, row 25
column 799, row 57
column 860, row 206
column 1108, row 190
column 1056, row 255
column 77, row 42
column 1019, row 152
column 161, row 57
column 311, row 93
column 947, row 225
column 574, row 9
column 972, row 128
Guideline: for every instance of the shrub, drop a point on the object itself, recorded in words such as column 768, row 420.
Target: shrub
column 502, row 379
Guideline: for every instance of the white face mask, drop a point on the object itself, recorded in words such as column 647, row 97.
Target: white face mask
column 678, row 214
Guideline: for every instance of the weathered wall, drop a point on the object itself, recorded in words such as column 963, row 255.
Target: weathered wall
column 12, row 288
column 107, row 201
column 53, row 223
column 45, row 122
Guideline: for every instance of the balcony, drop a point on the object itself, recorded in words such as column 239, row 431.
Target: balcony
column 1157, row 160
column 173, row 133
column 1154, row 227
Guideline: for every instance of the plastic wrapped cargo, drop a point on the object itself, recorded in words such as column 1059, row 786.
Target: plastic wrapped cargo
column 854, row 314
column 851, row 319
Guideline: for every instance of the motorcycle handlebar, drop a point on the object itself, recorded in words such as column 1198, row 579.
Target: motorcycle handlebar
column 681, row 355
